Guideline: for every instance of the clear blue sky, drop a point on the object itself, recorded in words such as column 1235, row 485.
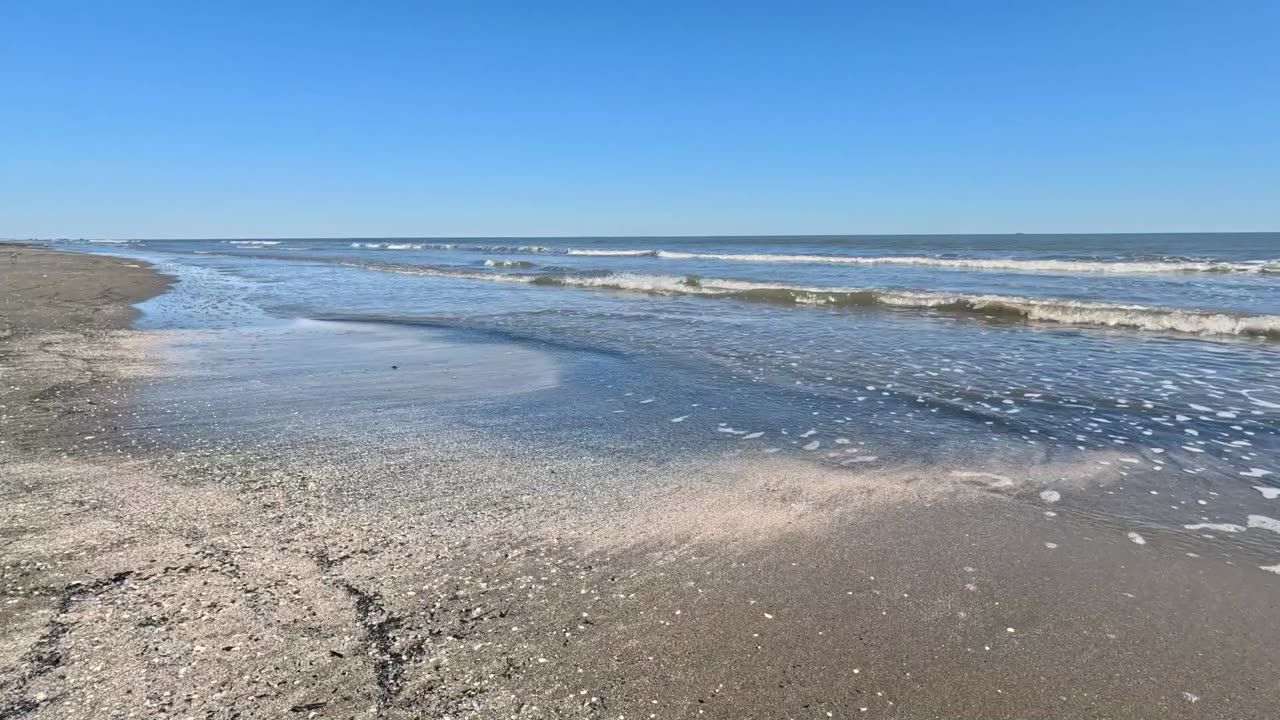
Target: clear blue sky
column 225, row 119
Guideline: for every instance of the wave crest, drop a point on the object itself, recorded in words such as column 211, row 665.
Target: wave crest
column 614, row 253
column 1049, row 310
column 1140, row 266
column 1062, row 266
column 450, row 246
column 510, row 263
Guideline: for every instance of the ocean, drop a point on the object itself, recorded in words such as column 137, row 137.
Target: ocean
column 1153, row 360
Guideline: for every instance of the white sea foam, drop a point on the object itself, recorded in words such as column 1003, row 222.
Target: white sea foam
column 509, row 263
column 1218, row 527
column 611, row 253
column 1264, row 523
column 1066, row 312
column 390, row 246
column 1058, row 266
column 1051, row 310
column 1160, row 265
column 1269, row 493
column 1256, row 401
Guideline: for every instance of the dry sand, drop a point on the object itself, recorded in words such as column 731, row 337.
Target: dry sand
column 243, row 585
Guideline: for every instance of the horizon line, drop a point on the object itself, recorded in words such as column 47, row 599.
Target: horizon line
column 638, row 237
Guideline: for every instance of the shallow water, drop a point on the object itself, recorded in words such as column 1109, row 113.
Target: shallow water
column 1153, row 360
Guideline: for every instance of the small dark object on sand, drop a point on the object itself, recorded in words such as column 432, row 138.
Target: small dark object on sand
column 395, row 367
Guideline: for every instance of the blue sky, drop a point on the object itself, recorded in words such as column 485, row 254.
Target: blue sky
column 243, row 119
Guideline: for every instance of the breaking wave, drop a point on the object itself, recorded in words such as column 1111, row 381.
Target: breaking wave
column 615, row 253
column 451, row 246
column 510, row 263
column 399, row 246
column 1049, row 310
column 1150, row 265
column 1067, row 266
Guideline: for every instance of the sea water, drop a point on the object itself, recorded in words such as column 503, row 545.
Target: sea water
column 1153, row 360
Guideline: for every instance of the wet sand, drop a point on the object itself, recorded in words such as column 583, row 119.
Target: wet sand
column 260, row 580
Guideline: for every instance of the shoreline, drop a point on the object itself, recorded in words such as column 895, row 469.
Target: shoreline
column 51, row 289
column 174, row 584
column 59, row 312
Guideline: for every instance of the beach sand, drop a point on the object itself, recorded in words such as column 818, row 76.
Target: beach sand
column 259, row 581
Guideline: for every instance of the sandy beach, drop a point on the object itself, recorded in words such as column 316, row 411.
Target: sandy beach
column 436, row 576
